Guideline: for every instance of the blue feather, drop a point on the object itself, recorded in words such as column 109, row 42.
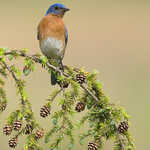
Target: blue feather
column 66, row 36
column 53, row 10
column 38, row 38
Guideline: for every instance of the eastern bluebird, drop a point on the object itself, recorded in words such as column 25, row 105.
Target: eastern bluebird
column 53, row 36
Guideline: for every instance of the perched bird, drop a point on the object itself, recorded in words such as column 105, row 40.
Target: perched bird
column 53, row 36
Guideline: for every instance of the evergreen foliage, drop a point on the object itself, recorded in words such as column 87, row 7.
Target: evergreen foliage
column 79, row 90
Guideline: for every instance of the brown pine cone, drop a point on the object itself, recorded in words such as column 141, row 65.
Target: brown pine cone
column 7, row 129
column 28, row 129
column 63, row 107
column 45, row 111
column 12, row 142
column 123, row 127
column 39, row 133
column 92, row 146
column 17, row 125
column 80, row 106
column 3, row 106
column 63, row 84
column 80, row 78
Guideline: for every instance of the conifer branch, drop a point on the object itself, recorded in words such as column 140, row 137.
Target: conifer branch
column 12, row 73
column 33, row 57
column 119, row 137
column 102, row 116
column 17, row 83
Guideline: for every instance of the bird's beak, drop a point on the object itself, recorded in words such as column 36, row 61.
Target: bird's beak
column 66, row 9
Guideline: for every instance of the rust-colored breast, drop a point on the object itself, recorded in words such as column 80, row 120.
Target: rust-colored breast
column 51, row 26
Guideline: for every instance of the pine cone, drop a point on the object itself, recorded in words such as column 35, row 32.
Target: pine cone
column 80, row 106
column 80, row 78
column 28, row 129
column 45, row 111
column 123, row 127
column 12, row 142
column 63, row 107
column 92, row 146
column 39, row 133
column 17, row 125
column 63, row 84
column 7, row 129
column 3, row 106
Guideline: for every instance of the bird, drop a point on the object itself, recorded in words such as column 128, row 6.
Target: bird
column 52, row 34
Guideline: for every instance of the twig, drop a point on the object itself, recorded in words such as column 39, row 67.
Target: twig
column 16, row 80
column 34, row 58
column 12, row 73
column 119, row 137
column 59, row 91
column 90, row 93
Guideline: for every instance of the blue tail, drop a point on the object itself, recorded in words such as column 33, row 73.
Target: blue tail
column 53, row 78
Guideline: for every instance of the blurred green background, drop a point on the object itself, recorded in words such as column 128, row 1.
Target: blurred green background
column 110, row 36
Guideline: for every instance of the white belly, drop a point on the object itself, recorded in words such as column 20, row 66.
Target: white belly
column 52, row 48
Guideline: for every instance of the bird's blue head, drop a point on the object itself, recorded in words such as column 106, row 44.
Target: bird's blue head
column 57, row 9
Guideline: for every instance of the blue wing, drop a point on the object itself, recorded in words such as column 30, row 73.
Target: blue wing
column 66, row 36
column 38, row 38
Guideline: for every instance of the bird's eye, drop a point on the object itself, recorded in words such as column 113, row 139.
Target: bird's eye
column 56, row 8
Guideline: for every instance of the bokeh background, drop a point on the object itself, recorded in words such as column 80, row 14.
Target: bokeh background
column 110, row 36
